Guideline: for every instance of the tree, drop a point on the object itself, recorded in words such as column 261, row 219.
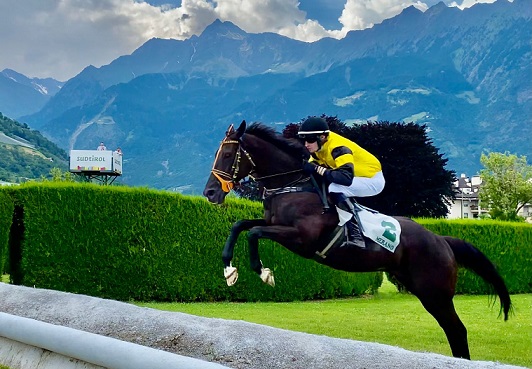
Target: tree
column 506, row 184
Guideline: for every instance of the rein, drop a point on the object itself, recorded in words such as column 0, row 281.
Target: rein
column 269, row 192
column 277, row 174
column 228, row 180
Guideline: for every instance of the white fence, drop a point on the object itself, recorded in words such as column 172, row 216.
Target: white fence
column 28, row 343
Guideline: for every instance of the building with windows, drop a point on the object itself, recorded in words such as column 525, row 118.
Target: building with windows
column 466, row 204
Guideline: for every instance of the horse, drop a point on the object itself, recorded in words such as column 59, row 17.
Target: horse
column 425, row 263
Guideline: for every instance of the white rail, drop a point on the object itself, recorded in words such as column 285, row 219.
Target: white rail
column 92, row 348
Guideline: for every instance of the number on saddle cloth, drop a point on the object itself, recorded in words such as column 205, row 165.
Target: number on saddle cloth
column 382, row 229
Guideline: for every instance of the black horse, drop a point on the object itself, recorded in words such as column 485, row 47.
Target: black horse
column 425, row 263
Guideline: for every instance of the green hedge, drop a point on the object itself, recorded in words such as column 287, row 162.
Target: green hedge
column 507, row 244
column 134, row 243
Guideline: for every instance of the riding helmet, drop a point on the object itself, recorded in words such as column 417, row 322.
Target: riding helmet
column 314, row 125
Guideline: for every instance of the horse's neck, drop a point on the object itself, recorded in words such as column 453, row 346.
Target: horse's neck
column 273, row 167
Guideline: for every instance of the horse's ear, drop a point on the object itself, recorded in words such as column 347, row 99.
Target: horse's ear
column 230, row 130
column 240, row 131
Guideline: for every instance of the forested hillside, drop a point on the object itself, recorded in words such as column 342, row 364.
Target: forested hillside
column 25, row 154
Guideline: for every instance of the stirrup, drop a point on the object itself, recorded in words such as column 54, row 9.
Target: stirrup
column 356, row 242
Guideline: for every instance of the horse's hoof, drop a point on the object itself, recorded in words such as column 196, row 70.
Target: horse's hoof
column 231, row 275
column 267, row 276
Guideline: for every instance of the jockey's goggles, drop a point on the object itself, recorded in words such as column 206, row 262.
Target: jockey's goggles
column 309, row 137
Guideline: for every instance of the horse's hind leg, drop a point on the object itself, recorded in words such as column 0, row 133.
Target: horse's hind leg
column 444, row 312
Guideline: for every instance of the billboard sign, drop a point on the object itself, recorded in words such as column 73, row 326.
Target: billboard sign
column 94, row 161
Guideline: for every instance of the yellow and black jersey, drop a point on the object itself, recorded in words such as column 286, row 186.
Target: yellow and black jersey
column 346, row 158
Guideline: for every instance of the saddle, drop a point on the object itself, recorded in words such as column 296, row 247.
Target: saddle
column 382, row 229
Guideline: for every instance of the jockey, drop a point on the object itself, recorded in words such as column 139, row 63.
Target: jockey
column 348, row 168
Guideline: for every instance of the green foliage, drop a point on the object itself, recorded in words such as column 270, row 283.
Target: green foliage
column 25, row 154
column 57, row 175
column 134, row 243
column 506, row 184
column 507, row 245
column 124, row 243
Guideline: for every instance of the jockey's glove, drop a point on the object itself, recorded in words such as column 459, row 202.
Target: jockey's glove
column 321, row 170
column 309, row 168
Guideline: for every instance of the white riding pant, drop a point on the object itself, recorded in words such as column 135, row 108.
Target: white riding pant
column 361, row 186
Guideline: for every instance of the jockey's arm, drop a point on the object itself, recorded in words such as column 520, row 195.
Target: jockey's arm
column 344, row 172
column 342, row 175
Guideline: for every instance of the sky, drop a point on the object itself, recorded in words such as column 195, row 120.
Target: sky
column 59, row 38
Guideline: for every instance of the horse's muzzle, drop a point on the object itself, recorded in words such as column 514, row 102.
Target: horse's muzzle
column 214, row 196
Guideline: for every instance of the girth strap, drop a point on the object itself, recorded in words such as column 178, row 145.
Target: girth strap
column 278, row 191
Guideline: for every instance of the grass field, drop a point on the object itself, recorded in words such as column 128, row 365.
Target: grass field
column 391, row 318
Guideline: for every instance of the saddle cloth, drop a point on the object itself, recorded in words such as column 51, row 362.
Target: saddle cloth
column 382, row 229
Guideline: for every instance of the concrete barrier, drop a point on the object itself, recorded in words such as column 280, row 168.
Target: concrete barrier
column 28, row 343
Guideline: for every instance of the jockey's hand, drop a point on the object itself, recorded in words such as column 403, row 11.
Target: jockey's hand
column 309, row 168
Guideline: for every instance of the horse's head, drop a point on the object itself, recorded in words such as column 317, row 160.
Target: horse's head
column 231, row 164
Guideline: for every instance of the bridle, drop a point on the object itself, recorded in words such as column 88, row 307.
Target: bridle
column 228, row 179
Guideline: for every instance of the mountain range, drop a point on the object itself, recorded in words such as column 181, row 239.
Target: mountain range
column 20, row 95
column 465, row 74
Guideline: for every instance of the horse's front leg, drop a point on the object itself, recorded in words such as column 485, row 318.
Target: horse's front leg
column 289, row 237
column 230, row 272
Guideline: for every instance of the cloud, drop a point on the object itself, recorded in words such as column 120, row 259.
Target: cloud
column 362, row 14
column 58, row 38
column 469, row 3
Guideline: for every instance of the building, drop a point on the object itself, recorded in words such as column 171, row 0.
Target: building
column 466, row 204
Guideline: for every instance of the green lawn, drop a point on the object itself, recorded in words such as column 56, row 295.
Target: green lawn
column 390, row 318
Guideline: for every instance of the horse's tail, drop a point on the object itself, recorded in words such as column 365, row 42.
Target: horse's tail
column 472, row 258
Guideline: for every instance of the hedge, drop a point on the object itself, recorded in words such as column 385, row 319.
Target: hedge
column 141, row 244
column 507, row 244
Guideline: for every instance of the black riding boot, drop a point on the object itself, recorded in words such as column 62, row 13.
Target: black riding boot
column 354, row 236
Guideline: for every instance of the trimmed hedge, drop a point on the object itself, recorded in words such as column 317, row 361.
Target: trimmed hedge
column 507, row 244
column 134, row 243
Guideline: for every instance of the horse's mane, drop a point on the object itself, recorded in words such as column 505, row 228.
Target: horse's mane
column 291, row 146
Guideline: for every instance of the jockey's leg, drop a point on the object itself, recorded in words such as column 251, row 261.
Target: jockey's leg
column 346, row 213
